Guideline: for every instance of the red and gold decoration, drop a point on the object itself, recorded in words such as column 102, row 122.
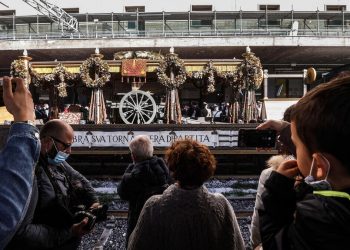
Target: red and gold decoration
column 134, row 69
column 172, row 74
column 94, row 72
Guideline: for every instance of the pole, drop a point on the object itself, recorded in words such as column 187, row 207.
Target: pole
column 37, row 24
column 189, row 21
column 87, row 25
column 266, row 76
column 112, row 26
column 305, row 86
column 13, row 26
column 172, row 98
column 163, row 23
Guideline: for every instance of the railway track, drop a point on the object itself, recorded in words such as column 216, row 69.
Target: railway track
column 123, row 214
column 243, row 207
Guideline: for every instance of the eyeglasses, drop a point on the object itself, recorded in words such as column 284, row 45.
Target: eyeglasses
column 65, row 145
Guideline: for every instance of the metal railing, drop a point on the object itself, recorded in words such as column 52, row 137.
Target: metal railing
column 10, row 35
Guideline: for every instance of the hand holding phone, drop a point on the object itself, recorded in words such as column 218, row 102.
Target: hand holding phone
column 257, row 138
column 19, row 102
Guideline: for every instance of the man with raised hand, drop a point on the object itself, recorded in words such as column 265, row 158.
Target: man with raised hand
column 17, row 159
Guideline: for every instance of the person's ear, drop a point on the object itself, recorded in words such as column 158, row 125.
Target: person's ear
column 322, row 165
column 46, row 143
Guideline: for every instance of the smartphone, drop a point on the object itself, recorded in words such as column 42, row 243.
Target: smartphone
column 256, row 138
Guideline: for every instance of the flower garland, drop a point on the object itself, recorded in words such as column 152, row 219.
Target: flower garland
column 59, row 75
column 233, row 78
column 209, row 72
column 96, row 66
column 62, row 74
column 18, row 69
column 171, row 62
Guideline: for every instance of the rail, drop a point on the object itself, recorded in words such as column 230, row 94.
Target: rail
column 123, row 214
column 10, row 35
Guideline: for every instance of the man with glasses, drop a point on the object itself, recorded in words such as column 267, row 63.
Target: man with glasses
column 49, row 223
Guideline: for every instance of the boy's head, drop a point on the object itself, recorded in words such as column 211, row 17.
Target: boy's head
column 321, row 124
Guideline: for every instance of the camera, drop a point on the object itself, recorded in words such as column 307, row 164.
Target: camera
column 93, row 214
column 257, row 138
column 80, row 215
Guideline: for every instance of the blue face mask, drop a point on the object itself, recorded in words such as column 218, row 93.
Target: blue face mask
column 59, row 158
column 321, row 184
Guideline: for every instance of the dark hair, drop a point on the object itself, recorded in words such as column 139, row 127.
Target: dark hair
column 288, row 112
column 322, row 119
column 192, row 163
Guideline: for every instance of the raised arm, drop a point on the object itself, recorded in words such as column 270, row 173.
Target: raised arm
column 17, row 159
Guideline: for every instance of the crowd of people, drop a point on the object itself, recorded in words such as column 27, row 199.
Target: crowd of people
column 214, row 112
column 303, row 201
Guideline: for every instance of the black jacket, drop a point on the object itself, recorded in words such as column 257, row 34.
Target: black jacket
column 141, row 181
column 313, row 222
column 50, row 214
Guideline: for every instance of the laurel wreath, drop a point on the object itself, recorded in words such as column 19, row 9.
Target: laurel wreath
column 170, row 63
column 94, row 65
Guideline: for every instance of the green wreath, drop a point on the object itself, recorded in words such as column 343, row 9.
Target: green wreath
column 94, row 65
column 171, row 61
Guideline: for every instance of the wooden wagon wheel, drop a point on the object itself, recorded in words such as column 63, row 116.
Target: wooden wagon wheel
column 137, row 107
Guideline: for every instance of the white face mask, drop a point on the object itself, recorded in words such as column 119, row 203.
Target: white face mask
column 321, row 184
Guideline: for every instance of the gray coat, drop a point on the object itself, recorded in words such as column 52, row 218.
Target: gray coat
column 182, row 219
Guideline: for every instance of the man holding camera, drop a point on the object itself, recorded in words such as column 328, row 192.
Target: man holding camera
column 58, row 192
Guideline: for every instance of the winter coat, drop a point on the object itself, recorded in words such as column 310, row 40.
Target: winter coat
column 141, row 181
column 313, row 220
column 182, row 219
column 272, row 164
column 50, row 215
